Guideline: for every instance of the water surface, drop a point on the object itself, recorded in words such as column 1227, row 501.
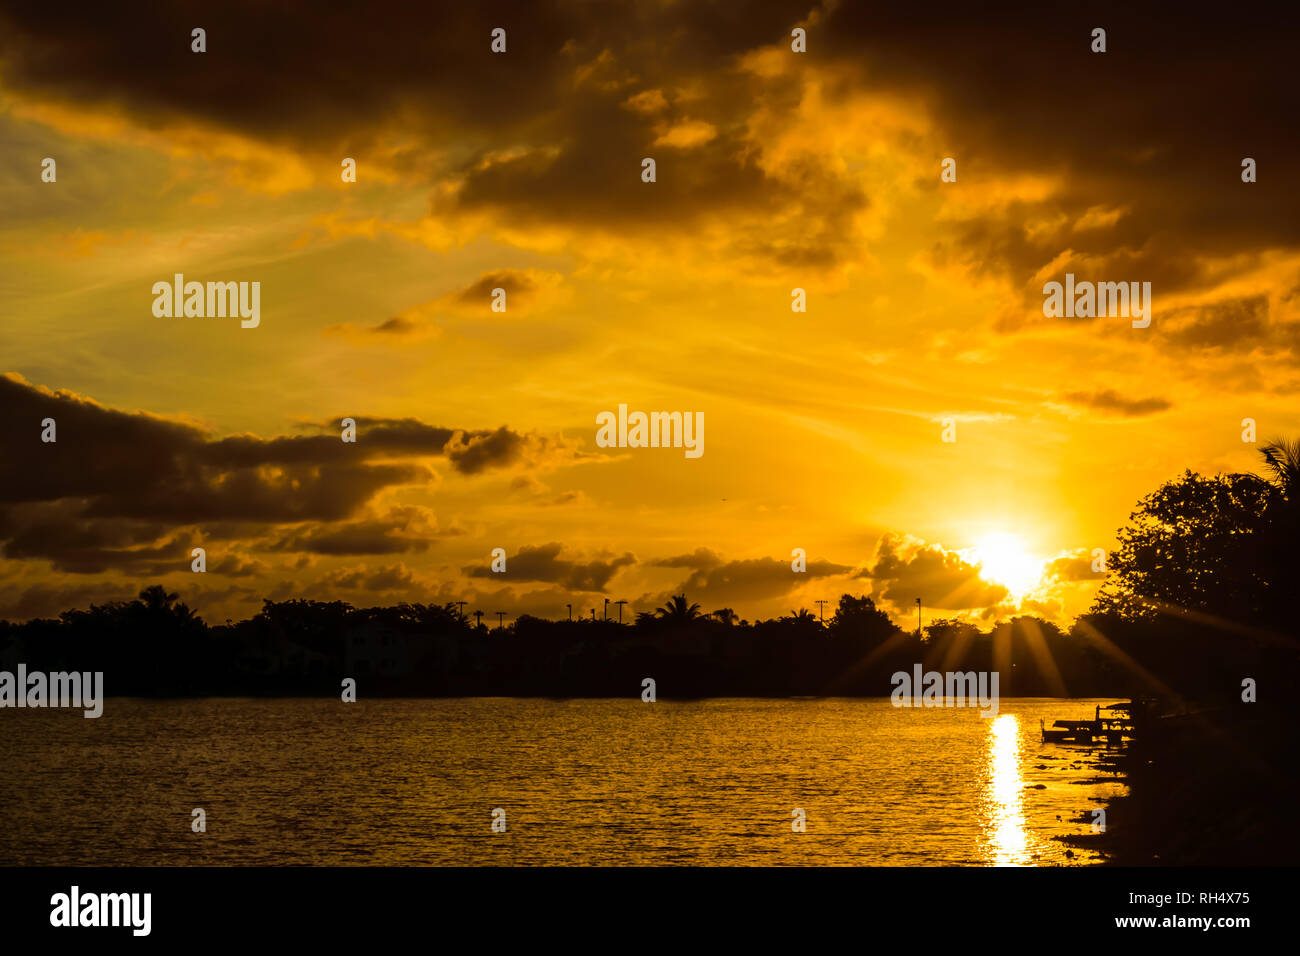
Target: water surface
column 604, row 782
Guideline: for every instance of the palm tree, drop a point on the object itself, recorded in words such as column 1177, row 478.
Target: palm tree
column 1282, row 458
column 803, row 616
column 156, row 598
column 726, row 615
column 678, row 610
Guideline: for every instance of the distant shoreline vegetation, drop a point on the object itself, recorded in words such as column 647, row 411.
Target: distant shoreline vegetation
column 1198, row 606
column 156, row 647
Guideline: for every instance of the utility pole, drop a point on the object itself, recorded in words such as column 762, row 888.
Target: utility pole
column 478, row 620
column 918, row 617
column 570, row 607
column 821, row 611
column 606, row 613
column 500, row 615
column 461, row 608
column 593, row 614
column 620, row 610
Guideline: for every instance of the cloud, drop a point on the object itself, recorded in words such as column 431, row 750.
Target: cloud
column 699, row 559
column 718, row 583
column 995, row 91
column 543, row 563
column 1239, row 324
column 905, row 569
column 541, row 495
column 234, row 565
column 60, row 533
column 405, row 529
column 1075, row 566
column 118, row 488
column 647, row 101
column 399, row 329
column 1108, row 400
column 550, row 135
column 687, row 134
column 524, row 288
column 393, row 577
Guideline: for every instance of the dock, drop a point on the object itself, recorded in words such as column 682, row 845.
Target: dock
column 1111, row 731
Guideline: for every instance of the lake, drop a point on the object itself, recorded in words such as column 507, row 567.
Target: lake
column 581, row 782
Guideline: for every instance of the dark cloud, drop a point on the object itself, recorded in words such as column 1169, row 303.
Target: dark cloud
column 403, row 530
column 543, row 563
column 1108, row 400
column 517, row 285
column 734, row 583
column 599, row 187
column 61, row 533
column 1155, row 129
column 473, row 453
column 1239, row 324
column 940, row 578
column 116, row 486
column 543, row 132
column 236, row 566
column 1175, row 103
column 362, row 578
column 395, row 328
column 306, row 73
column 699, row 559
column 389, row 578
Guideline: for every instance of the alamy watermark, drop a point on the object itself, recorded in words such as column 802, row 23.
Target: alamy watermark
column 58, row 689
column 947, row 689
column 215, row 300
column 655, row 430
column 74, row 908
column 1099, row 299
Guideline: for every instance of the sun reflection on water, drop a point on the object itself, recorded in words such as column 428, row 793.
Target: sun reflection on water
column 1007, row 838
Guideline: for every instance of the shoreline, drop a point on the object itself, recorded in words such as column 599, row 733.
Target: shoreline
column 1204, row 789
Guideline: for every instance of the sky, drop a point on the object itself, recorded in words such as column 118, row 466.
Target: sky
column 522, row 170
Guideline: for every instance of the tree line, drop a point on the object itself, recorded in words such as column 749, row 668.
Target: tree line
column 1198, row 599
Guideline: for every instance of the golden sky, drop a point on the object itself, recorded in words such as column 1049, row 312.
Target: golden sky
column 521, row 170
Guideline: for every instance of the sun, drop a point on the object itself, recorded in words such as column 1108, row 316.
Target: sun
column 1002, row 559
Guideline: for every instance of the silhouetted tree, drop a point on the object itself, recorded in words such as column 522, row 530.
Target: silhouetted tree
column 678, row 611
column 1195, row 545
column 858, row 617
column 1282, row 457
column 156, row 598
